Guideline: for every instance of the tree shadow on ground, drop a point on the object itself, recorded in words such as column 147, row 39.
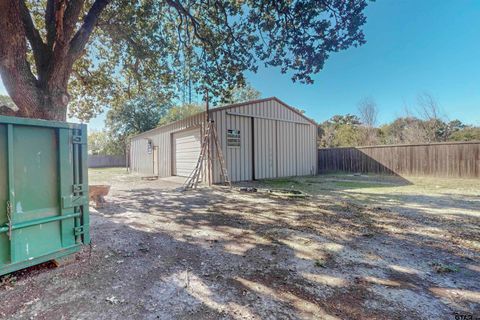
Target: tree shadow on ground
column 227, row 219
column 214, row 254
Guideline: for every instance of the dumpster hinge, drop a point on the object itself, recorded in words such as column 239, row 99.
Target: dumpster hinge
column 73, row 201
column 78, row 231
column 9, row 218
column 78, row 138
column 77, row 188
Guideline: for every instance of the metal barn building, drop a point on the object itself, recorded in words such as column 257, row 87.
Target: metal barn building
column 259, row 139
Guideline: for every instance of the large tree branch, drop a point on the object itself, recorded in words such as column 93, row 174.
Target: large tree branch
column 39, row 48
column 67, row 49
column 56, row 75
column 83, row 34
column 64, row 18
column 31, row 32
column 50, row 23
column 60, row 6
column 74, row 7
column 58, row 46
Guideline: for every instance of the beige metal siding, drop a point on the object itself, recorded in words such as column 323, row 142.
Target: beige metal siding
column 305, row 150
column 277, row 139
column 141, row 160
column 270, row 109
column 220, row 120
column 265, row 152
column 239, row 159
column 284, row 142
column 275, row 142
column 161, row 137
column 155, row 161
column 186, row 145
column 287, row 155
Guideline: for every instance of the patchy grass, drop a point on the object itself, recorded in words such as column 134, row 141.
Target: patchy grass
column 7, row 281
column 321, row 183
column 368, row 189
column 108, row 175
column 354, row 184
column 283, row 183
column 444, row 268
column 320, row 263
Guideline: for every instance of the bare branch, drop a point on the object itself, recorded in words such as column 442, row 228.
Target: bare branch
column 182, row 11
column 429, row 109
column 368, row 135
column 368, row 112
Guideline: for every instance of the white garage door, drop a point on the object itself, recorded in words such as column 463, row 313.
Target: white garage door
column 186, row 151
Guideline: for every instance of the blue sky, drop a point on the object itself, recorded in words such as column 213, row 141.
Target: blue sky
column 412, row 47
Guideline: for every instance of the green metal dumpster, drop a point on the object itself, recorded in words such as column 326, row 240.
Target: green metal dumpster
column 43, row 191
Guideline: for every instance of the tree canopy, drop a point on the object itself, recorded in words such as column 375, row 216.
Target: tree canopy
column 241, row 93
column 103, row 143
column 135, row 116
column 95, row 53
column 180, row 112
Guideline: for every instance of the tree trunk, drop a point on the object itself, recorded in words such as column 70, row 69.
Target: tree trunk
column 54, row 106
column 33, row 101
column 14, row 67
column 45, row 95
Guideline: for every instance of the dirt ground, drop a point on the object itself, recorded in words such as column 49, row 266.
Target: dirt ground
column 356, row 248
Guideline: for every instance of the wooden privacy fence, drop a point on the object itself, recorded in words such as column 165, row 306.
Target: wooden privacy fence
column 450, row 159
column 101, row 161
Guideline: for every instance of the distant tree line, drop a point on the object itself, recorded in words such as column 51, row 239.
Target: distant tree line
column 426, row 125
